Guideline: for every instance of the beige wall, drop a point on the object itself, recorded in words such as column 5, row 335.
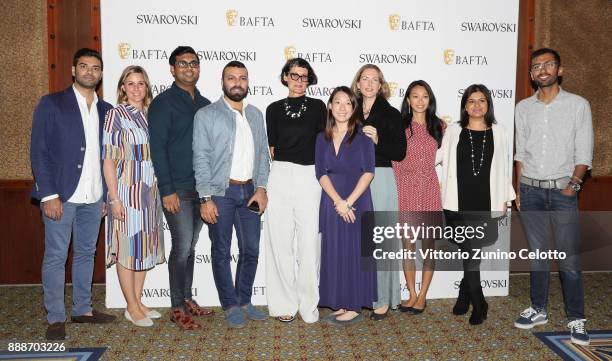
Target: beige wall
column 23, row 79
column 580, row 32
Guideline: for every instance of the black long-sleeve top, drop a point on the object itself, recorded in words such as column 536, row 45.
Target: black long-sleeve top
column 294, row 139
column 391, row 137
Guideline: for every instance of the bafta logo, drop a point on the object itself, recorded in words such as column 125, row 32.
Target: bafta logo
column 230, row 17
column 447, row 119
column 290, row 52
column 392, row 88
column 449, row 55
column 124, row 50
column 394, row 21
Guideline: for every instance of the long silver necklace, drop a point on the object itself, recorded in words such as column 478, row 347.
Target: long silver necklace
column 484, row 142
column 297, row 114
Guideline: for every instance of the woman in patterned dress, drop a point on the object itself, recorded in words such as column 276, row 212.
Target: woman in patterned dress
column 134, row 231
column 417, row 183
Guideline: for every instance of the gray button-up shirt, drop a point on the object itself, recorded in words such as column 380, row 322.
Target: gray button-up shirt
column 551, row 139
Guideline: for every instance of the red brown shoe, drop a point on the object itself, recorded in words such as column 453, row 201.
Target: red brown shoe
column 184, row 320
column 195, row 309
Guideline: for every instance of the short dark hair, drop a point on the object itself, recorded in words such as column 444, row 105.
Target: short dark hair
column 233, row 64
column 489, row 116
column 543, row 51
column 86, row 52
column 300, row 63
column 180, row 50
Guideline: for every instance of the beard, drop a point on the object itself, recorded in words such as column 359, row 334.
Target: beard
column 86, row 83
column 548, row 82
column 235, row 96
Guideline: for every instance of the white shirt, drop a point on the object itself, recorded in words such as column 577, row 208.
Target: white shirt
column 244, row 147
column 89, row 189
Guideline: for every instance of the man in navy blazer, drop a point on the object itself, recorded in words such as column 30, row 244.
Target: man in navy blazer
column 65, row 155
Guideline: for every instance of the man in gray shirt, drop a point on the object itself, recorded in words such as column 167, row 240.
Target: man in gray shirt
column 554, row 150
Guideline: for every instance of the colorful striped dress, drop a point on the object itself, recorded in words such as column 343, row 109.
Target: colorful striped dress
column 137, row 243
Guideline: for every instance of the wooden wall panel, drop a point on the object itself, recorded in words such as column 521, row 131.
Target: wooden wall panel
column 23, row 245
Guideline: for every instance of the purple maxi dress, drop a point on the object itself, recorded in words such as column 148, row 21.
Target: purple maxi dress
column 343, row 283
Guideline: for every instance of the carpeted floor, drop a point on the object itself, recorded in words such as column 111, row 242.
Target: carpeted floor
column 434, row 335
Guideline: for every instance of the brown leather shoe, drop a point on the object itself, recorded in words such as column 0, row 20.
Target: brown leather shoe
column 56, row 331
column 195, row 309
column 96, row 317
column 183, row 319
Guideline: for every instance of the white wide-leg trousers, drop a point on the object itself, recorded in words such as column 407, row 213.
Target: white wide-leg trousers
column 292, row 241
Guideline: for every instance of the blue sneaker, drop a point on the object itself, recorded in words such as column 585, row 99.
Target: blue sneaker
column 579, row 334
column 235, row 317
column 530, row 318
column 253, row 313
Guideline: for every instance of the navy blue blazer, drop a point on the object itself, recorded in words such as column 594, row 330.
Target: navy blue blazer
column 57, row 147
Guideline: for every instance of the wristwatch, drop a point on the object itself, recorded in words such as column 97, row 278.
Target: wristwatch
column 205, row 199
column 575, row 186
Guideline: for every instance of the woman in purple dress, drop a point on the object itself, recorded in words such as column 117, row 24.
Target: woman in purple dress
column 344, row 164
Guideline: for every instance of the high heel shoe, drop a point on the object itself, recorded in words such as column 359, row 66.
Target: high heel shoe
column 463, row 300
column 145, row 322
column 480, row 307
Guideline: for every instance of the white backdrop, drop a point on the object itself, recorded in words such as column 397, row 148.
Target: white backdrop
column 450, row 44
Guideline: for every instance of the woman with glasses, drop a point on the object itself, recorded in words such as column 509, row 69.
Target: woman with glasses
column 383, row 125
column 291, row 225
column 134, row 231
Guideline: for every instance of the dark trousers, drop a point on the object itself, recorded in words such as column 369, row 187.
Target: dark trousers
column 185, row 229
column 234, row 214
column 546, row 213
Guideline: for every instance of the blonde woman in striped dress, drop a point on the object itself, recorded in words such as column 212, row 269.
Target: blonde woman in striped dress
column 134, row 232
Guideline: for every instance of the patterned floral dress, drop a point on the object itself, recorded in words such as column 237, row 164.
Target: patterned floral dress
column 418, row 187
column 137, row 243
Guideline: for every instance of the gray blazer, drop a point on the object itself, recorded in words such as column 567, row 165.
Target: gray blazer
column 214, row 131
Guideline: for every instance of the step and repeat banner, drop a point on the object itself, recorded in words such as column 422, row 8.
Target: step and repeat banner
column 450, row 44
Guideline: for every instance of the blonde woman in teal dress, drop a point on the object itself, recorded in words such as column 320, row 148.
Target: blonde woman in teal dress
column 134, row 232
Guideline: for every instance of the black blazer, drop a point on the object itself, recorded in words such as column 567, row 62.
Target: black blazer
column 391, row 136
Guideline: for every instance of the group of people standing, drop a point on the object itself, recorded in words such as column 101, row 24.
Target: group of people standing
column 311, row 169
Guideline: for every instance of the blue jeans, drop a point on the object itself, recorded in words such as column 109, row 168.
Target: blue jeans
column 185, row 229
column 82, row 221
column 233, row 213
column 546, row 213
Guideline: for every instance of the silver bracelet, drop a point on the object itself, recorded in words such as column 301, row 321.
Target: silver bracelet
column 113, row 201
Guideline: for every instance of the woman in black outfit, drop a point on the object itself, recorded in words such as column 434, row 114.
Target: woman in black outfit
column 383, row 124
column 476, row 183
column 292, row 216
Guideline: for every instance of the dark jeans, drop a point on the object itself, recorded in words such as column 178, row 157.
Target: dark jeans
column 233, row 213
column 546, row 213
column 185, row 229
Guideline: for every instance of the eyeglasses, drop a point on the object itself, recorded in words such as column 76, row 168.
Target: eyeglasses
column 183, row 64
column 549, row 65
column 296, row 77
